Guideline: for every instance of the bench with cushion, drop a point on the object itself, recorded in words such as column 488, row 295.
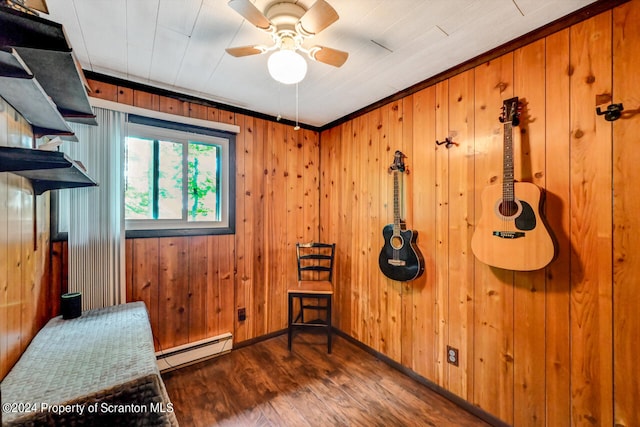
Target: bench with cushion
column 97, row 369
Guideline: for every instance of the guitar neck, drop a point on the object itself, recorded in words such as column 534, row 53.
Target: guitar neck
column 507, row 174
column 396, row 203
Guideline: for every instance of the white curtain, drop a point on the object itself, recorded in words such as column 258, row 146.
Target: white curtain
column 96, row 214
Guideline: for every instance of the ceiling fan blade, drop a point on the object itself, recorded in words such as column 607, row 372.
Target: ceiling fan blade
column 245, row 50
column 328, row 55
column 319, row 16
column 251, row 13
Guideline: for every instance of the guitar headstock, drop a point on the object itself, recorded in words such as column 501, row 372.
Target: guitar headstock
column 511, row 109
column 398, row 162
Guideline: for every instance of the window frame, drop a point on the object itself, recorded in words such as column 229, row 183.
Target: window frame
column 169, row 228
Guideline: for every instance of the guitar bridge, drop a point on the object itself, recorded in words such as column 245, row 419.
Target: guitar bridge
column 508, row 234
column 397, row 262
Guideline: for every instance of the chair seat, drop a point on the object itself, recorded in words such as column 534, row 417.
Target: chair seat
column 312, row 287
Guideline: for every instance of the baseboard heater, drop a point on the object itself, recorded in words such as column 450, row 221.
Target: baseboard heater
column 194, row 352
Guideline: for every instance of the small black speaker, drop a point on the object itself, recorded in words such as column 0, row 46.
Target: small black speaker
column 71, row 305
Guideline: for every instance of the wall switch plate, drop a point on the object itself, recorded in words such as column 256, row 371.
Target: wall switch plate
column 452, row 355
column 242, row 314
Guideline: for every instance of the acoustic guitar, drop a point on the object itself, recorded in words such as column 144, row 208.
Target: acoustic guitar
column 511, row 233
column 400, row 259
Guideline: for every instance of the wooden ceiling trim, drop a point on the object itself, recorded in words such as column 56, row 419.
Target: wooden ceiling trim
column 189, row 98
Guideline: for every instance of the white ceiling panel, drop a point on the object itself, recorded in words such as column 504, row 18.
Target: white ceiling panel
column 139, row 62
column 529, row 7
column 180, row 45
column 106, row 41
column 142, row 20
column 168, row 51
column 179, row 15
column 477, row 14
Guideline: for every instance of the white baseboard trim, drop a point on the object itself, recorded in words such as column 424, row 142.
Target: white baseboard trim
column 187, row 354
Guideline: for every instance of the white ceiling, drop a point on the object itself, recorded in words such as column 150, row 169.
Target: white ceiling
column 179, row 45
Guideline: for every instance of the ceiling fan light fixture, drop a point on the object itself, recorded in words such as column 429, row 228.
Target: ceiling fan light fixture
column 287, row 66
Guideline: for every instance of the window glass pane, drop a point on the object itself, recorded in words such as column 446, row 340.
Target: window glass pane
column 138, row 176
column 169, row 180
column 203, row 161
column 178, row 182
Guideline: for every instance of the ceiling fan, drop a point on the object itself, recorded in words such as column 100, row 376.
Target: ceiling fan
column 289, row 25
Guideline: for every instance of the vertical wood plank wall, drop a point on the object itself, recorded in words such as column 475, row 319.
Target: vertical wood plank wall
column 24, row 250
column 536, row 348
column 551, row 347
column 193, row 285
column 626, row 225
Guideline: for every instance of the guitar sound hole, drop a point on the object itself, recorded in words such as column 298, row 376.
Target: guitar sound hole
column 509, row 208
column 397, row 242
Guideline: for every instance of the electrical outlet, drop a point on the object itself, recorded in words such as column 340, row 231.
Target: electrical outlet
column 452, row 355
column 242, row 314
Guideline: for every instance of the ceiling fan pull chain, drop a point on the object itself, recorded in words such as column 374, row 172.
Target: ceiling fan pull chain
column 297, row 127
column 279, row 117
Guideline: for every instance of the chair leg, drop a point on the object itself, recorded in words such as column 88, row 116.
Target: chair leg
column 290, row 321
column 301, row 310
column 329, row 325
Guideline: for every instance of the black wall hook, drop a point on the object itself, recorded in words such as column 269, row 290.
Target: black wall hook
column 612, row 113
column 448, row 141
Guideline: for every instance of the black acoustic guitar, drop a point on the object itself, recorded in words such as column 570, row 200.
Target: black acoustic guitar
column 400, row 259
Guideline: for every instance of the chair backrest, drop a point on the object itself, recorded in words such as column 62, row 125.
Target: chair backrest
column 315, row 260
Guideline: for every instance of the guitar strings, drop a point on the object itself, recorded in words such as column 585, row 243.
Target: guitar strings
column 509, row 204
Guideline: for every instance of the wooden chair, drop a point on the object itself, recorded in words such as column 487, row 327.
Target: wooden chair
column 315, row 284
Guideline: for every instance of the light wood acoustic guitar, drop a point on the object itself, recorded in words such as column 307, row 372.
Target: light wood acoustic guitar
column 511, row 234
column 400, row 258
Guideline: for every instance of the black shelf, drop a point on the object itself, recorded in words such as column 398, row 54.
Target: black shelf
column 22, row 90
column 44, row 48
column 41, row 79
column 47, row 170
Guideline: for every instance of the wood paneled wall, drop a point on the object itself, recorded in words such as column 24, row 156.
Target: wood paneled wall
column 550, row 347
column 24, row 250
column 535, row 348
column 626, row 224
column 194, row 285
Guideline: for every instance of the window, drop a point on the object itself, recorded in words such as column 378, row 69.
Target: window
column 178, row 179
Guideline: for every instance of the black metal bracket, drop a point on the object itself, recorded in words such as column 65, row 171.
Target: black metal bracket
column 448, row 141
column 613, row 112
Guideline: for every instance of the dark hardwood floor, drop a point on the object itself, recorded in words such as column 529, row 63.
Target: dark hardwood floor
column 265, row 385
